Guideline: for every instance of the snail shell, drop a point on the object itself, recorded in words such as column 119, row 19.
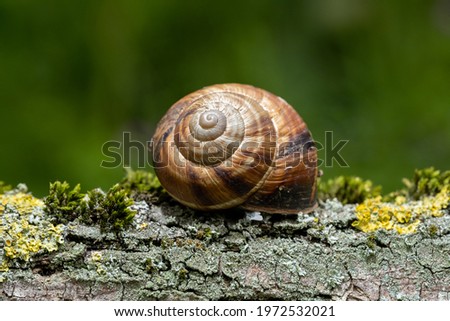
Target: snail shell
column 234, row 145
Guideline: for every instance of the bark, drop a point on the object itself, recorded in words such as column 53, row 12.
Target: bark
column 173, row 253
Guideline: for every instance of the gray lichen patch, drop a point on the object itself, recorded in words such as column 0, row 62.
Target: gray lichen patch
column 205, row 261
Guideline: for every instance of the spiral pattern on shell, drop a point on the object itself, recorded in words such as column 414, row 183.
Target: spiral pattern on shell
column 236, row 145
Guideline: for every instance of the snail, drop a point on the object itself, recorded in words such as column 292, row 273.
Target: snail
column 234, row 145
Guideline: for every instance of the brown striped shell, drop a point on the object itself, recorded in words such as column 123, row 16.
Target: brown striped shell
column 235, row 145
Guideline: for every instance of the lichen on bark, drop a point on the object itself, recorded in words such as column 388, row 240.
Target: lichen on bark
column 310, row 257
column 170, row 252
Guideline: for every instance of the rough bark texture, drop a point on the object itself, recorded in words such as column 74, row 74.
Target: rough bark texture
column 186, row 255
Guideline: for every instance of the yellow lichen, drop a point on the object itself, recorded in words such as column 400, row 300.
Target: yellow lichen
column 373, row 214
column 4, row 267
column 97, row 260
column 143, row 225
column 96, row 256
column 23, row 203
column 24, row 228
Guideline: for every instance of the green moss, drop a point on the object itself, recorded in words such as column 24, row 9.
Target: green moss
column 427, row 181
column 167, row 243
column 63, row 203
column 4, row 187
column 183, row 273
column 371, row 241
column 93, row 207
column 117, row 205
column 433, row 230
column 203, row 234
column 348, row 189
column 150, row 266
column 141, row 183
column 110, row 210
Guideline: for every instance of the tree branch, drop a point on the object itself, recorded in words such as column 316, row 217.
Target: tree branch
column 173, row 253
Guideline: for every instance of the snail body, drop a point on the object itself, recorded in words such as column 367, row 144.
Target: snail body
column 233, row 145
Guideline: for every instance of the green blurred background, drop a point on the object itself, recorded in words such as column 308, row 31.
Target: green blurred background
column 75, row 74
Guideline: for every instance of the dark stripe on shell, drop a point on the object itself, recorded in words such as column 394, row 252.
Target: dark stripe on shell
column 202, row 195
column 300, row 143
column 238, row 184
